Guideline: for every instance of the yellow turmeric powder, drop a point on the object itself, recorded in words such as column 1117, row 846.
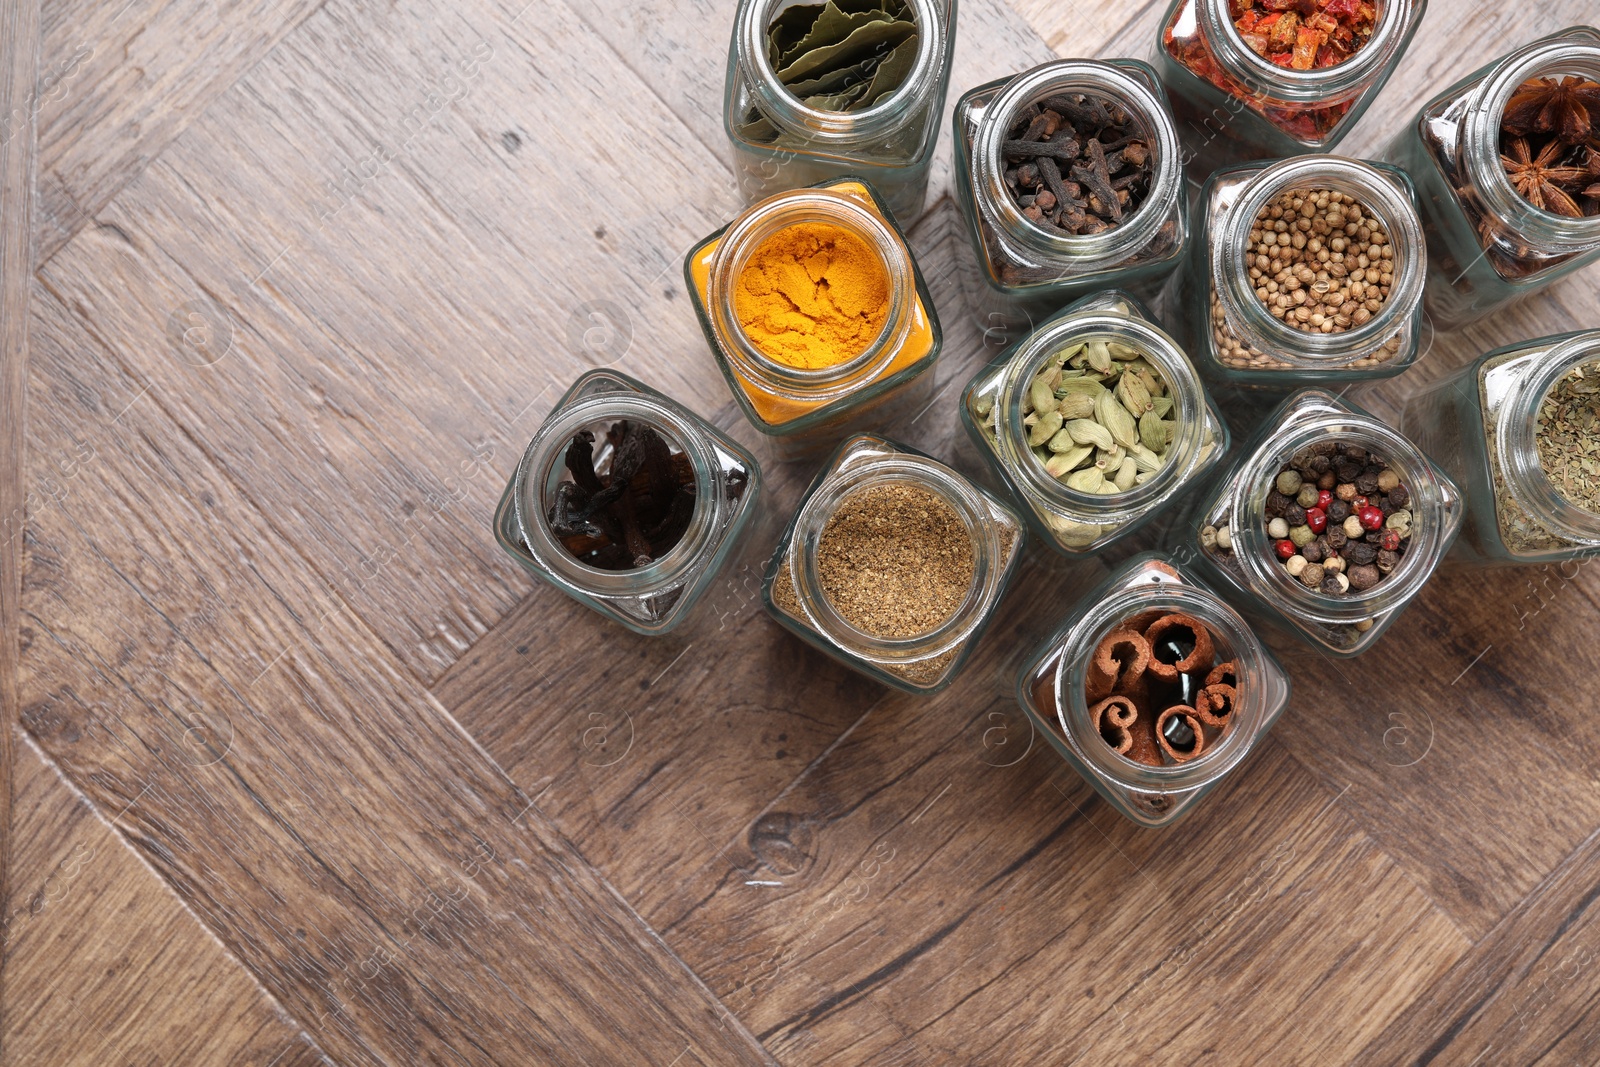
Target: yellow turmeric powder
column 813, row 295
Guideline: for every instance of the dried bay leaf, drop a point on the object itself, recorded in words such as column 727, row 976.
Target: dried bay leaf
column 892, row 72
column 863, row 43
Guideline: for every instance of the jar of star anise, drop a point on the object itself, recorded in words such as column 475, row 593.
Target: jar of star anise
column 1262, row 79
column 1507, row 165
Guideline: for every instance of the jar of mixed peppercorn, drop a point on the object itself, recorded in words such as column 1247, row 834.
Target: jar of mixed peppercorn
column 1259, row 79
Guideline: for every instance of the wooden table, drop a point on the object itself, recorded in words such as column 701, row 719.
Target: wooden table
column 303, row 769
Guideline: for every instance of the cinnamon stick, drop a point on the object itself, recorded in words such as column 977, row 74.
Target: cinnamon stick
column 1192, row 720
column 1224, row 674
column 1127, row 730
column 1182, row 629
column 1215, row 705
column 1117, row 666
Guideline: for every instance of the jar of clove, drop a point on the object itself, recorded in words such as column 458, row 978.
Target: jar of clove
column 1154, row 691
column 1520, row 430
column 814, row 308
column 1508, row 168
column 817, row 91
column 1096, row 421
column 1261, row 79
column 1329, row 524
column 627, row 502
column 1070, row 182
column 893, row 565
column 1309, row 269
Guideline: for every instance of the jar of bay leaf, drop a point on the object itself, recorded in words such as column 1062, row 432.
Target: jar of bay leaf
column 1053, row 688
column 893, row 564
column 1520, row 430
column 817, row 91
column 628, row 502
column 1096, row 421
column 1032, row 262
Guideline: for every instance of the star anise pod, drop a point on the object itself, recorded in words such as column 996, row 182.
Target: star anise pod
column 1545, row 105
column 1539, row 181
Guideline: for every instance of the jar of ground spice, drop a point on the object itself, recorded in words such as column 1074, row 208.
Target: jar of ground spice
column 1329, row 524
column 1154, row 690
column 1308, row 270
column 813, row 307
column 627, row 502
column 1262, row 79
column 1070, row 182
column 1508, row 169
column 817, row 91
column 1520, row 430
column 893, row 565
column 1097, row 422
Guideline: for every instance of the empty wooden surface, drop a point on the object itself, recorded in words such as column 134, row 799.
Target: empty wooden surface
column 311, row 771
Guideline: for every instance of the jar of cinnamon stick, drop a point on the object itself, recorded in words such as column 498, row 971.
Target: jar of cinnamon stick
column 1155, row 691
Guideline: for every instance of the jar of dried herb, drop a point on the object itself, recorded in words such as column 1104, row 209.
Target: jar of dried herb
column 1310, row 269
column 627, row 501
column 1154, row 691
column 1520, row 430
column 893, row 565
column 814, row 308
column 817, row 91
column 1250, row 80
column 1097, row 422
column 1070, row 180
column 1508, row 170
column 1266, row 532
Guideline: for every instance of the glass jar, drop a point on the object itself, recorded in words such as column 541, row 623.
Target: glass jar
column 1236, row 340
column 1488, row 247
column 1230, row 529
column 779, row 143
column 992, row 409
column 1233, row 105
column 793, row 590
column 1025, row 272
column 1051, row 690
column 781, row 400
column 1482, row 426
column 655, row 598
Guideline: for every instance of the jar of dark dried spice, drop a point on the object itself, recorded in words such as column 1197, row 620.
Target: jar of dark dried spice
column 627, row 501
column 1070, row 182
column 1261, row 79
column 1329, row 524
column 1154, row 690
column 1520, row 431
column 1097, row 422
column 1306, row 270
column 893, row 564
column 1507, row 164
column 815, row 91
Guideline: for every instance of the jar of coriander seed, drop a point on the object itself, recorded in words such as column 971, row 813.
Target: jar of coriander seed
column 893, row 564
column 816, row 91
column 1306, row 270
column 1508, row 181
column 1096, row 422
column 1154, row 690
column 1070, row 181
column 628, row 502
column 1328, row 525
column 1520, row 430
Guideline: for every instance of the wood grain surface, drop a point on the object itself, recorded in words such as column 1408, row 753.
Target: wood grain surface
column 312, row 771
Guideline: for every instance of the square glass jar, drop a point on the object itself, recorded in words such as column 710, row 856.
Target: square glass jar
column 1482, row 425
column 1488, row 247
column 779, row 142
column 793, row 590
column 780, row 400
column 655, row 598
column 1051, row 689
column 1235, row 551
column 1073, row 522
column 1027, row 272
column 1236, row 340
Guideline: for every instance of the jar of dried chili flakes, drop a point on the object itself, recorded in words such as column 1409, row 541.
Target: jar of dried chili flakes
column 1254, row 79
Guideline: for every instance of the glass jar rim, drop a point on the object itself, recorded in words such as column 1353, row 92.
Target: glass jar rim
column 1304, row 86
column 1376, row 193
column 1526, row 479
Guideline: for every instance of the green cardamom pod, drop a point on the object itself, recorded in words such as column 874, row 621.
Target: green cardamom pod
column 982, row 406
column 1124, row 478
column 1077, row 406
column 1161, row 405
column 1109, row 459
column 1045, row 428
column 1114, row 417
column 1152, row 382
column 1099, row 356
column 1087, row 386
column 1043, row 397
column 1066, row 462
column 1122, row 352
column 1089, row 432
column 1148, row 461
column 1153, row 432
column 1134, row 396
column 1086, row 481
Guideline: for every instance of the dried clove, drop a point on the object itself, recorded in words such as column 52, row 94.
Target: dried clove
column 1094, row 142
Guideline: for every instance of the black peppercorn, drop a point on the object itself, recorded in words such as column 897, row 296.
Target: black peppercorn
column 1387, row 560
column 1360, row 552
column 1336, row 538
column 1294, row 515
column 1330, row 586
column 1346, row 470
column 1312, row 552
column 1276, row 504
column 1399, row 497
column 1367, row 482
column 1338, row 511
column 1356, row 454
column 1320, row 465
column 1323, row 448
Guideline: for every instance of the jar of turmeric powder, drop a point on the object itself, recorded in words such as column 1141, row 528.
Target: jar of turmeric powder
column 814, row 308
